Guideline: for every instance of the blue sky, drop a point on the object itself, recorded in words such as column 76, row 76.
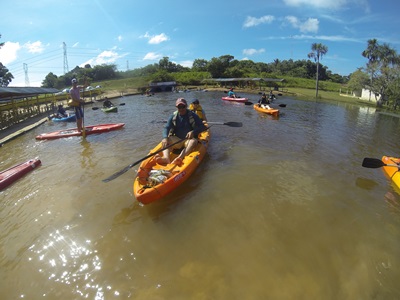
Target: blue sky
column 135, row 33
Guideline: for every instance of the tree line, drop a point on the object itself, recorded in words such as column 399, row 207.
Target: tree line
column 381, row 74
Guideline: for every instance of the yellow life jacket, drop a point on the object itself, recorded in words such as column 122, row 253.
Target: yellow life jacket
column 198, row 111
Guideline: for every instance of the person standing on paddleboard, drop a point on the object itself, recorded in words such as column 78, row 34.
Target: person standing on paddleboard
column 77, row 103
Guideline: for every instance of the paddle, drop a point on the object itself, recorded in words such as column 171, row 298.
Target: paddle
column 96, row 108
column 230, row 124
column 83, row 122
column 124, row 170
column 376, row 163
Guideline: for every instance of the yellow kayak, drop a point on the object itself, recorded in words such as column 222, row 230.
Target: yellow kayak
column 391, row 171
column 269, row 111
column 154, row 181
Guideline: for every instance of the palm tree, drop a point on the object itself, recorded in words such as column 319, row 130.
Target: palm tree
column 372, row 53
column 318, row 50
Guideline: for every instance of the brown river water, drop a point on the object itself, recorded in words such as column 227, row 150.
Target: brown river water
column 280, row 208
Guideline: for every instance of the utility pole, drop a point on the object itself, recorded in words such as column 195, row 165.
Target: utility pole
column 127, row 65
column 65, row 59
column 26, row 74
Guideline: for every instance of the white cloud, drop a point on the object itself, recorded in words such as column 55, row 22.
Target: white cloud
column 119, row 38
column 253, row 51
column 152, row 56
column 156, row 39
column 310, row 25
column 252, row 21
column 186, row 63
column 9, row 52
column 35, row 47
column 105, row 57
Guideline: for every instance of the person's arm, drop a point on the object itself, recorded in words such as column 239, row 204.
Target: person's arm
column 200, row 127
column 166, row 131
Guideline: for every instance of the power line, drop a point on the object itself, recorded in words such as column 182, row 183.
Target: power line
column 65, row 59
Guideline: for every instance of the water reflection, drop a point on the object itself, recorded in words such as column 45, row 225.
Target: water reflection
column 279, row 208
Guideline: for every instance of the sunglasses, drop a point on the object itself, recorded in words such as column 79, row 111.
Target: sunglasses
column 181, row 106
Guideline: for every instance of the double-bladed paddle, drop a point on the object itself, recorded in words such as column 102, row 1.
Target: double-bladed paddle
column 230, row 124
column 96, row 108
column 124, row 170
column 376, row 163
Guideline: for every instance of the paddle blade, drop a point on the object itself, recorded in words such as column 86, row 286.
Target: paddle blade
column 95, row 108
column 115, row 175
column 231, row 124
column 282, row 105
column 372, row 163
column 248, row 103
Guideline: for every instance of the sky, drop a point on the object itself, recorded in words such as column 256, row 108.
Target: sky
column 56, row 36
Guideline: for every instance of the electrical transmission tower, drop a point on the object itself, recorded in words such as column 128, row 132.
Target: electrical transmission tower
column 26, row 74
column 65, row 59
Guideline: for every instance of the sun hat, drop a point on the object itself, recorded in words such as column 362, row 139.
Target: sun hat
column 180, row 101
column 195, row 101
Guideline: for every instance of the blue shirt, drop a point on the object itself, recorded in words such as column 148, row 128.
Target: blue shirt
column 183, row 125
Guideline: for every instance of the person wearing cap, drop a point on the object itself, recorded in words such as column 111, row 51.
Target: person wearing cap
column 183, row 125
column 76, row 97
column 197, row 109
column 61, row 113
column 231, row 93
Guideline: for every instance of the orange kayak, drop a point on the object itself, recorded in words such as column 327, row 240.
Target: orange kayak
column 271, row 111
column 391, row 171
column 154, row 181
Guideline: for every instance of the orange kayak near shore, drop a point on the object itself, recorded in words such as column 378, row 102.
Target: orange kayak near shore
column 74, row 131
column 392, row 171
column 154, row 181
column 271, row 111
column 14, row 173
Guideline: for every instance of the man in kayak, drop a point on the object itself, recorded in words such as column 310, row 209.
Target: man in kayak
column 76, row 97
column 263, row 102
column 197, row 109
column 107, row 103
column 183, row 125
column 61, row 113
column 231, row 93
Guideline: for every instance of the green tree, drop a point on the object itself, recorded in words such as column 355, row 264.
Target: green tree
column 5, row 76
column 50, row 81
column 317, row 52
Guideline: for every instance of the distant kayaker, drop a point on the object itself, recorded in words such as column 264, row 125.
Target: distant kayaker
column 78, row 102
column 231, row 93
column 61, row 112
column 197, row 109
column 263, row 102
column 184, row 125
column 271, row 96
column 107, row 103
column 263, row 99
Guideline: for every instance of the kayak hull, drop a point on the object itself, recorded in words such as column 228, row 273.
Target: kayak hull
column 110, row 109
column 14, row 173
column 94, row 129
column 235, row 99
column 392, row 172
column 70, row 118
column 272, row 111
column 147, row 192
